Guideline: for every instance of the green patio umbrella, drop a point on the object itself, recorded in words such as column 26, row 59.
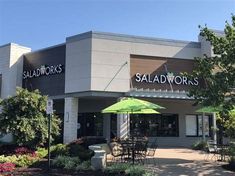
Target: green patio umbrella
column 142, row 111
column 131, row 105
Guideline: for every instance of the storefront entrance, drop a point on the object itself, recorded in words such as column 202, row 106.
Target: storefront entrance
column 90, row 124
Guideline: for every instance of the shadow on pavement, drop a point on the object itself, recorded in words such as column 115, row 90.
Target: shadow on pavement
column 176, row 167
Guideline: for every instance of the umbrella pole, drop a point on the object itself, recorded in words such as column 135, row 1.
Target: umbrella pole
column 128, row 123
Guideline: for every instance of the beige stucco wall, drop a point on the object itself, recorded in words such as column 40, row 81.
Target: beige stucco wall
column 11, row 68
column 108, row 56
column 78, row 65
column 182, row 108
column 93, row 59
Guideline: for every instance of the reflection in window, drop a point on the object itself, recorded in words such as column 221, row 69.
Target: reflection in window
column 194, row 125
column 154, row 125
column 113, row 126
column 191, row 125
column 90, row 124
column 206, row 124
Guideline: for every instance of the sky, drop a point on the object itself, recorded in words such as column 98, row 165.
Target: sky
column 42, row 23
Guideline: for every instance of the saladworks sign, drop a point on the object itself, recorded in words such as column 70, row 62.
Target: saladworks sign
column 44, row 70
column 169, row 78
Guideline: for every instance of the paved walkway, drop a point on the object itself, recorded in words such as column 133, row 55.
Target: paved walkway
column 185, row 162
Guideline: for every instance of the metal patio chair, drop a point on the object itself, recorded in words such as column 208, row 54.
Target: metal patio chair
column 116, row 151
column 141, row 151
column 151, row 150
column 212, row 151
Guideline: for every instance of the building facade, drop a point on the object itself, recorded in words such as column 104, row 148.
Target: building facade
column 93, row 70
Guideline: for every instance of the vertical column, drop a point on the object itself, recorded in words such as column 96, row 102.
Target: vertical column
column 182, row 124
column 214, row 128
column 203, row 127
column 106, row 126
column 123, row 125
column 70, row 119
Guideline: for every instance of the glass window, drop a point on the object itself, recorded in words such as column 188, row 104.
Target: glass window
column 206, row 124
column 113, row 126
column 194, row 125
column 191, row 125
column 154, row 125
column 90, row 124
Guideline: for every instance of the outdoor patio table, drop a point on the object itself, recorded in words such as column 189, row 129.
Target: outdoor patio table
column 130, row 146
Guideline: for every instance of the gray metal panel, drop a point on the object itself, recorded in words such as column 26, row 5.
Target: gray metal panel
column 90, row 94
column 159, row 94
column 48, row 85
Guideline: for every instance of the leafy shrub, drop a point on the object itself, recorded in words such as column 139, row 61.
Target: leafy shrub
column 26, row 160
column 230, row 125
column 231, row 152
column 60, row 161
column 127, row 169
column 77, row 150
column 24, row 115
column 117, row 168
column 8, row 159
column 59, row 149
column 7, row 167
column 70, row 165
column 66, row 162
column 85, row 165
column 135, row 170
column 41, row 152
column 19, row 160
column 149, row 174
column 199, row 145
column 87, row 141
column 23, row 151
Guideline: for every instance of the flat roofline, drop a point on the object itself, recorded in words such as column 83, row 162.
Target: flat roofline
column 217, row 31
column 46, row 48
column 133, row 38
column 14, row 44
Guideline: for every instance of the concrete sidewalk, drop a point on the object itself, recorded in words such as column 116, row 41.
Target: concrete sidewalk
column 185, row 162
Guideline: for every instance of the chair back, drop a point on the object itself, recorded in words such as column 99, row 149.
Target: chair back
column 141, row 146
column 116, row 149
column 212, row 147
column 153, row 144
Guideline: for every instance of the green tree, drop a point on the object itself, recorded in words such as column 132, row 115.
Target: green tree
column 217, row 74
column 230, row 125
column 24, row 116
column 218, row 71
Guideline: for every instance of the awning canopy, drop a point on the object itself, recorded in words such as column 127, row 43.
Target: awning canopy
column 152, row 93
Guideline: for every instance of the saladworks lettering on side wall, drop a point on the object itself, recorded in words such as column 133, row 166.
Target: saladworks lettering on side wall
column 43, row 70
column 163, row 79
